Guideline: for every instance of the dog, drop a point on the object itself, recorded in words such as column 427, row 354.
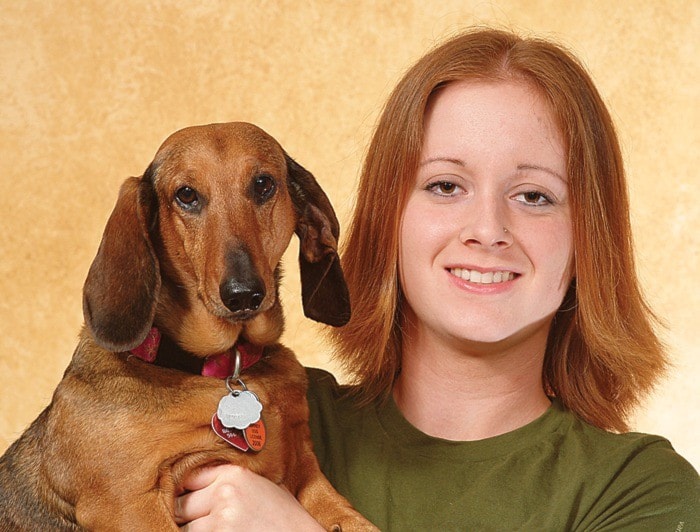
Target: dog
column 182, row 293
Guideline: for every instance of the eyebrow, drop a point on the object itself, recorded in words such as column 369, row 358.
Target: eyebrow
column 443, row 160
column 542, row 169
column 460, row 162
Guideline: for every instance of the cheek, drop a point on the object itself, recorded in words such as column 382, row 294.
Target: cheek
column 409, row 243
column 179, row 243
column 423, row 230
column 423, row 235
column 412, row 244
column 277, row 228
column 554, row 255
column 566, row 250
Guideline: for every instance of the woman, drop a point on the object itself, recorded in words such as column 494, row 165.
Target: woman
column 499, row 340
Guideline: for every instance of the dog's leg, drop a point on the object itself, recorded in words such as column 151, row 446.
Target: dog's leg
column 322, row 501
column 329, row 508
column 108, row 513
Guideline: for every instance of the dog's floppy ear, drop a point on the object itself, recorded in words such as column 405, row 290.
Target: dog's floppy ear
column 120, row 292
column 324, row 293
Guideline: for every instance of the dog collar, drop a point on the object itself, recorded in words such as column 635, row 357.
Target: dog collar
column 220, row 366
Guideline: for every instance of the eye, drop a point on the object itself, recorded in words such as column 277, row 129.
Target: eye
column 187, row 197
column 534, row 198
column 263, row 187
column 443, row 188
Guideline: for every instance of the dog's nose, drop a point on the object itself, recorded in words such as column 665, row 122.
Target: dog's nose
column 242, row 290
column 242, row 297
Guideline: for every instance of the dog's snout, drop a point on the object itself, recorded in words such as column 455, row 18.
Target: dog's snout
column 242, row 297
column 242, row 291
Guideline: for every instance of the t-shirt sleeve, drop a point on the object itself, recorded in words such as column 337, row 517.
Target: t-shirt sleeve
column 656, row 490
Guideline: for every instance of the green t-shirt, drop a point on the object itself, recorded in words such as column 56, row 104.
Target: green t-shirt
column 556, row 473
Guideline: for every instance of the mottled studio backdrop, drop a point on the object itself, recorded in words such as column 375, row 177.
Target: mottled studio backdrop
column 90, row 88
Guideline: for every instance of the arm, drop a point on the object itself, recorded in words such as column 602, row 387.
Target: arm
column 230, row 497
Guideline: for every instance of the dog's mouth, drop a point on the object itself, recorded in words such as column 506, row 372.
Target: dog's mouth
column 259, row 316
column 242, row 315
column 237, row 312
column 237, row 317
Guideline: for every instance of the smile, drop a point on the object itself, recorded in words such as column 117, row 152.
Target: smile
column 474, row 276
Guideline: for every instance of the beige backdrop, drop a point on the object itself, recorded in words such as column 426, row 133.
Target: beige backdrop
column 90, row 88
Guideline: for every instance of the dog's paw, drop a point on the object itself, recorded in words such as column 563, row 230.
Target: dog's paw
column 353, row 524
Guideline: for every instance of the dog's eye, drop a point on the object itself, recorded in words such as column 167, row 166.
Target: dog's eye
column 263, row 187
column 187, row 197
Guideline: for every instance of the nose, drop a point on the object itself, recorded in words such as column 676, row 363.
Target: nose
column 486, row 224
column 240, row 297
column 242, row 290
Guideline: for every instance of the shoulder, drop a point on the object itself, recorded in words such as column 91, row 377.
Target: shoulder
column 639, row 480
column 659, row 482
column 323, row 389
column 328, row 400
column 643, row 453
column 335, row 419
column 320, row 379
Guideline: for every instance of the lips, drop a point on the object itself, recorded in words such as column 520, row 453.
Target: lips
column 491, row 277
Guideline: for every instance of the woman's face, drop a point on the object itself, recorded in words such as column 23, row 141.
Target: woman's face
column 486, row 237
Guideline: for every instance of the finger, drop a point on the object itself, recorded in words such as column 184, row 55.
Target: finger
column 188, row 507
column 200, row 525
column 201, row 478
column 209, row 485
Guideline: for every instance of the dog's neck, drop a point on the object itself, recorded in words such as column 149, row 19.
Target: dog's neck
column 162, row 351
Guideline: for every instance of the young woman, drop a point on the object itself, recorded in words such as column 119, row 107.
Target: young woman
column 499, row 338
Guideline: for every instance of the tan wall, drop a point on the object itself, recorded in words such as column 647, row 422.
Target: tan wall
column 89, row 89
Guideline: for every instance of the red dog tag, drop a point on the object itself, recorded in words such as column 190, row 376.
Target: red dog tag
column 231, row 436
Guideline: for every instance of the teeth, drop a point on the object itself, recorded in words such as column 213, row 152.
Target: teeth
column 474, row 276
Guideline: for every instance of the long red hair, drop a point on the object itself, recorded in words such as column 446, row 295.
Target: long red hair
column 603, row 354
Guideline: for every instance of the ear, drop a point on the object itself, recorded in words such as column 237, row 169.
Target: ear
column 324, row 293
column 120, row 292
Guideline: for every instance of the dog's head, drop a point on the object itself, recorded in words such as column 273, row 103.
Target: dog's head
column 193, row 246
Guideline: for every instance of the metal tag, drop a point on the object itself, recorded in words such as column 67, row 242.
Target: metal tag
column 239, row 409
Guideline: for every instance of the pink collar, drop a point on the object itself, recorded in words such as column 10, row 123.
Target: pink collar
column 220, row 366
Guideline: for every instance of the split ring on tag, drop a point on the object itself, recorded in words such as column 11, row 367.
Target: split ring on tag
column 236, row 369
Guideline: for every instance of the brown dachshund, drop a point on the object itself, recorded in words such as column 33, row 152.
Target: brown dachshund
column 184, row 290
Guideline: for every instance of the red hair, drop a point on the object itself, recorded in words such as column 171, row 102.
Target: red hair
column 603, row 354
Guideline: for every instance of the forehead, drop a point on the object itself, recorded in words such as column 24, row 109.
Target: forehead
column 227, row 147
column 498, row 100
column 498, row 117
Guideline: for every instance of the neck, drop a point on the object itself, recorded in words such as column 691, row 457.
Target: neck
column 460, row 394
column 162, row 351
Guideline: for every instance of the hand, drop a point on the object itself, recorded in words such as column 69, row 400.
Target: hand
column 229, row 497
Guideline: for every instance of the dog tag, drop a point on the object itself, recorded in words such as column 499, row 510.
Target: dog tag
column 239, row 409
column 231, row 436
column 255, row 435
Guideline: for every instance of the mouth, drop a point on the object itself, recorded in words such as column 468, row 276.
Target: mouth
column 490, row 277
column 218, row 309
column 242, row 315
